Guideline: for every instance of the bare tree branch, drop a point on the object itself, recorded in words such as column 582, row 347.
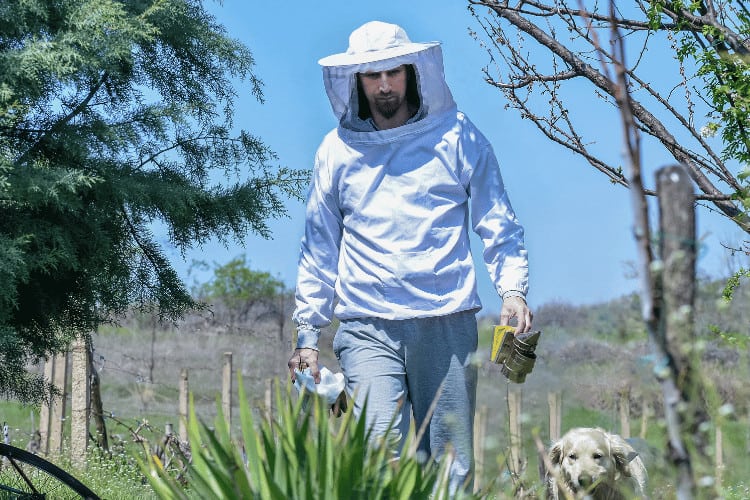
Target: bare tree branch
column 539, row 21
column 698, row 23
column 524, row 82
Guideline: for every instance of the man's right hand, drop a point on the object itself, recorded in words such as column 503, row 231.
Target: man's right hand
column 304, row 358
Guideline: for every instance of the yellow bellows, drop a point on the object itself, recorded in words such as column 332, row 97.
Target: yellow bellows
column 502, row 343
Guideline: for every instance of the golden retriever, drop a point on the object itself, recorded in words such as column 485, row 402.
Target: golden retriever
column 595, row 464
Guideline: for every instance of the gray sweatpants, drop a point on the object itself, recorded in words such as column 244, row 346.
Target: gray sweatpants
column 398, row 366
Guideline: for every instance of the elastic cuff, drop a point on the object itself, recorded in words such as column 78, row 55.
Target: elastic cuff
column 514, row 293
column 307, row 338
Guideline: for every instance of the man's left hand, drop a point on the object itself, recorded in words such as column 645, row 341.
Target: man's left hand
column 516, row 307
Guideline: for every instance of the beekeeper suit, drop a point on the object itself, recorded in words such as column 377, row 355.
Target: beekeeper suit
column 386, row 245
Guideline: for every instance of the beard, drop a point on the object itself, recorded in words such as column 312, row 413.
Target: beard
column 388, row 106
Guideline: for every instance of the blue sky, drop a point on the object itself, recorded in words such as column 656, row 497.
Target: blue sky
column 578, row 225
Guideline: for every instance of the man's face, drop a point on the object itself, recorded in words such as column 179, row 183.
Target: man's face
column 385, row 91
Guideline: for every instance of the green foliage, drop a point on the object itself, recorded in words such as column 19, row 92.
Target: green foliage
column 731, row 289
column 114, row 116
column 302, row 455
column 734, row 282
column 239, row 288
column 722, row 62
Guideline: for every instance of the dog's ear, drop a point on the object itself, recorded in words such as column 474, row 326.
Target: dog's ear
column 556, row 453
column 622, row 453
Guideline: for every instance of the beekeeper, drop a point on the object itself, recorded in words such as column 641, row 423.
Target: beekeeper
column 386, row 244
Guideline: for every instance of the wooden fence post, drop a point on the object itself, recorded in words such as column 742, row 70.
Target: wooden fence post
column 45, row 410
column 183, row 405
column 79, row 404
column 514, row 417
column 268, row 399
column 96, row 406
column 645, row 410
column 677, row 250
column 554, row 400
column 719, row 447
column 59, row 403
column 624, row 407
column 226, row 390
column 480, row 431
column 681, row 388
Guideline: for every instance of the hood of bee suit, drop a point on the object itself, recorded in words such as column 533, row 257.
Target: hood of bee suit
column 377, row 46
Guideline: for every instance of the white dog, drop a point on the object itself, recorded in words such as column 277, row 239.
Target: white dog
column 592, row 463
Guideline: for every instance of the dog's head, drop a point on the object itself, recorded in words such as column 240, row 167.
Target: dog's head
column 587, row 457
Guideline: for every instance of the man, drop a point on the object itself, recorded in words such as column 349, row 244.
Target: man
column 394, row 189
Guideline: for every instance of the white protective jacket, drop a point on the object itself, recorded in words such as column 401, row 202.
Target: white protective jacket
column 388, row 211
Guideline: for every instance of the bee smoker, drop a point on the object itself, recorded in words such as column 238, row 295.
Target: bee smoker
column 514, row 352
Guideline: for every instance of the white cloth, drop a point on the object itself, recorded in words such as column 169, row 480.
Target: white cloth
column 388, row 211
column 330, row 387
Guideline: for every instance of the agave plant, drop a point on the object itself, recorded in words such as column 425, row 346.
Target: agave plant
column 302, row 454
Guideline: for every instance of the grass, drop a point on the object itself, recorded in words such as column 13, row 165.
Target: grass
column 19, row 419
column 573, row 416
column 114, row 475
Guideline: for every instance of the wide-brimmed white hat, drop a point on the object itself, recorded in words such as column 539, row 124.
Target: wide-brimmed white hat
column 375, row 41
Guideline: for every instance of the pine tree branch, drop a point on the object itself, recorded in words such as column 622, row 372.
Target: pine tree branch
column 77, row 110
